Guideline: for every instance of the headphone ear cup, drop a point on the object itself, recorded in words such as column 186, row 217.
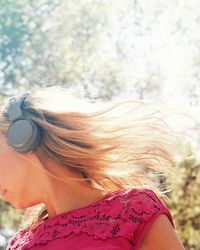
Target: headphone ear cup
column 24, row 135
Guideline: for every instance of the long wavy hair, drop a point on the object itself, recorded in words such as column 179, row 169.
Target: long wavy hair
column 118, row 144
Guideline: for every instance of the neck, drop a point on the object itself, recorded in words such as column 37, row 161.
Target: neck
column 61, row 198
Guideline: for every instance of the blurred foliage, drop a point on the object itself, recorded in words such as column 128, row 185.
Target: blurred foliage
column 184, row 202
column 47, row 41
column 22, row 43
column 9, row 215
column 99, row 47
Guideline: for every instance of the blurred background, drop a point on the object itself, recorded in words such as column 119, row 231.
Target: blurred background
column 108, row 49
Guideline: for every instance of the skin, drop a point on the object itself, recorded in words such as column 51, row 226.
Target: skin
column 24, row 182
column 161, row 236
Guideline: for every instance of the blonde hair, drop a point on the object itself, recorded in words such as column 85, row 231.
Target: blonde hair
column 117, row 144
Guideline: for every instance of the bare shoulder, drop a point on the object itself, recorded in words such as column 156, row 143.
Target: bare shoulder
column 161, row 235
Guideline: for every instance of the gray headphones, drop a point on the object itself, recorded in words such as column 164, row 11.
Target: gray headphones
column 23, row 134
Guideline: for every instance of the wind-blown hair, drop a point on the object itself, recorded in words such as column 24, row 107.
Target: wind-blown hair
column 117, row 144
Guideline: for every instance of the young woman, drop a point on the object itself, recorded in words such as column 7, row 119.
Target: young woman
column 88, row 171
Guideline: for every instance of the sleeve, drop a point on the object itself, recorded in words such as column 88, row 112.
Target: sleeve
column 145, row 207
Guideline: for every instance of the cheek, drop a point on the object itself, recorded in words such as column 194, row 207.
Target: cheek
column 12, row 169
column 20, row 194
column 16, row 176
column 6, row 164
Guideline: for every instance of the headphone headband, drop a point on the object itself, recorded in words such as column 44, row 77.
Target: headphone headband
column 14, row 109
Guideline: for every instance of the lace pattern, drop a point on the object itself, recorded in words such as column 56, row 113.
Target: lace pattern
column 119, row 213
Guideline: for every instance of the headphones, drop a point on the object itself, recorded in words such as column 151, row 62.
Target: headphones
column 23, row 134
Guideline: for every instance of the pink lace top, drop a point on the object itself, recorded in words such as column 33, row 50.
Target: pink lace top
column 119, row 220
